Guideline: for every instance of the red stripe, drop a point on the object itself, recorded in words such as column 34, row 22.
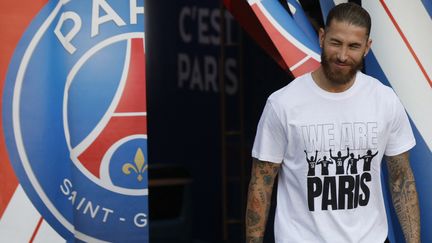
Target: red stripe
column 134, row 94
column 15, row 17
column 308, row 66
column 290, row 53
column 406, row 42
column 36, row 230
column 244, row 15
column 116, row 129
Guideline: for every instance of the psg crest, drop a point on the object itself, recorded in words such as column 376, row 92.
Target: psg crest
column 74, row 112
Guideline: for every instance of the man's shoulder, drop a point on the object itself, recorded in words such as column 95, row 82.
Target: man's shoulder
column 292, row 90
column 375, row 85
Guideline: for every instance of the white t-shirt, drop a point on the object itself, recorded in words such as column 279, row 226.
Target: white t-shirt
column 331, row 196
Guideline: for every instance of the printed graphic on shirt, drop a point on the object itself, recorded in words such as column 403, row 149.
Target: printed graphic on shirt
column 339, row 160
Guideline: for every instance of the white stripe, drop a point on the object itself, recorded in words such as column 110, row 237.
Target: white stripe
column 416, row 25
column 251, row 2
column 287, row 35
column 47, row 234
column 292, row 8
column 401, row 69
column 336, row 2
column 130, row 114
column 19, row 219
column 299, row 63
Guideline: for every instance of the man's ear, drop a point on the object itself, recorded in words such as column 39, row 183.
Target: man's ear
column 368, row 46
column 321, row 34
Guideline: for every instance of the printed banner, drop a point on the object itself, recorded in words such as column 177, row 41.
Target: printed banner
column 75, row 123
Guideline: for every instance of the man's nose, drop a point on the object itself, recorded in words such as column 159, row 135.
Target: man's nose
column 342, row 54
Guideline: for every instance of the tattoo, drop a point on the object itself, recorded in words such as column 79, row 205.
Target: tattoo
column 404, row 195
column 254, row 239
column 259, row 199
column 268, row 180
column 262, row 196
column 252, row 217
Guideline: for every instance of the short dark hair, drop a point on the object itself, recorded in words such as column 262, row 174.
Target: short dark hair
column 351, row 13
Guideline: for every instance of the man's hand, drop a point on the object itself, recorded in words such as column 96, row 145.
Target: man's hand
column 259, row 198
column 404, row 194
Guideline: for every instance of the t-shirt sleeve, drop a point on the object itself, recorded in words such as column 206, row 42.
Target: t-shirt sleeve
column 401, row 138
column 270, row 139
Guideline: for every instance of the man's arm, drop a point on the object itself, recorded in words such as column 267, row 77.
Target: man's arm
column 259, row 198
column 307, row 159
column 404, row 194
column 348, row 167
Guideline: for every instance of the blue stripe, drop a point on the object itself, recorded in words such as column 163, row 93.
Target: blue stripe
column 428, row 5
column 285, row 20
column 326, row 5
column 303, row 22
column 421, row 158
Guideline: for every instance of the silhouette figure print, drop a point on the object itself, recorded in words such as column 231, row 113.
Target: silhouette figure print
column 312, row 162
column 324, row 165
column 339, row 161
column 368, row 159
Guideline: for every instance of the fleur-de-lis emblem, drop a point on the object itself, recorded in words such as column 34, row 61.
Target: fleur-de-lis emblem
column 138, row 167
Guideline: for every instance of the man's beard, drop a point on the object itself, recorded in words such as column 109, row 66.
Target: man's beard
column 339, row 77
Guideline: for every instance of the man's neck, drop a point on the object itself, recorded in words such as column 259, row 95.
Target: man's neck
column 324, row 83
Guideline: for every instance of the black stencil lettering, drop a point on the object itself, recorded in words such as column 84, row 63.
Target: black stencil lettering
column 346, row 190
column 329, row 196
column 364, row 199
column 356, row 190
column 314, row 190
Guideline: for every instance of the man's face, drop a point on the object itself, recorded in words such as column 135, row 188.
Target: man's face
column 343, row 49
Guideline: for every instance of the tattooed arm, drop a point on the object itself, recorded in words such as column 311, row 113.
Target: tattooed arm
column 259, row 198
column 404, row 194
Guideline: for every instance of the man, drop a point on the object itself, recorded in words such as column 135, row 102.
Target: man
column 324, row 165
column 312, row 163
column 335, row 107
column 352, row 164
column 368, row 160
column 339, row 161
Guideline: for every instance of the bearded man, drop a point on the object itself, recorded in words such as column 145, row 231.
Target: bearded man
column 334, row 108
